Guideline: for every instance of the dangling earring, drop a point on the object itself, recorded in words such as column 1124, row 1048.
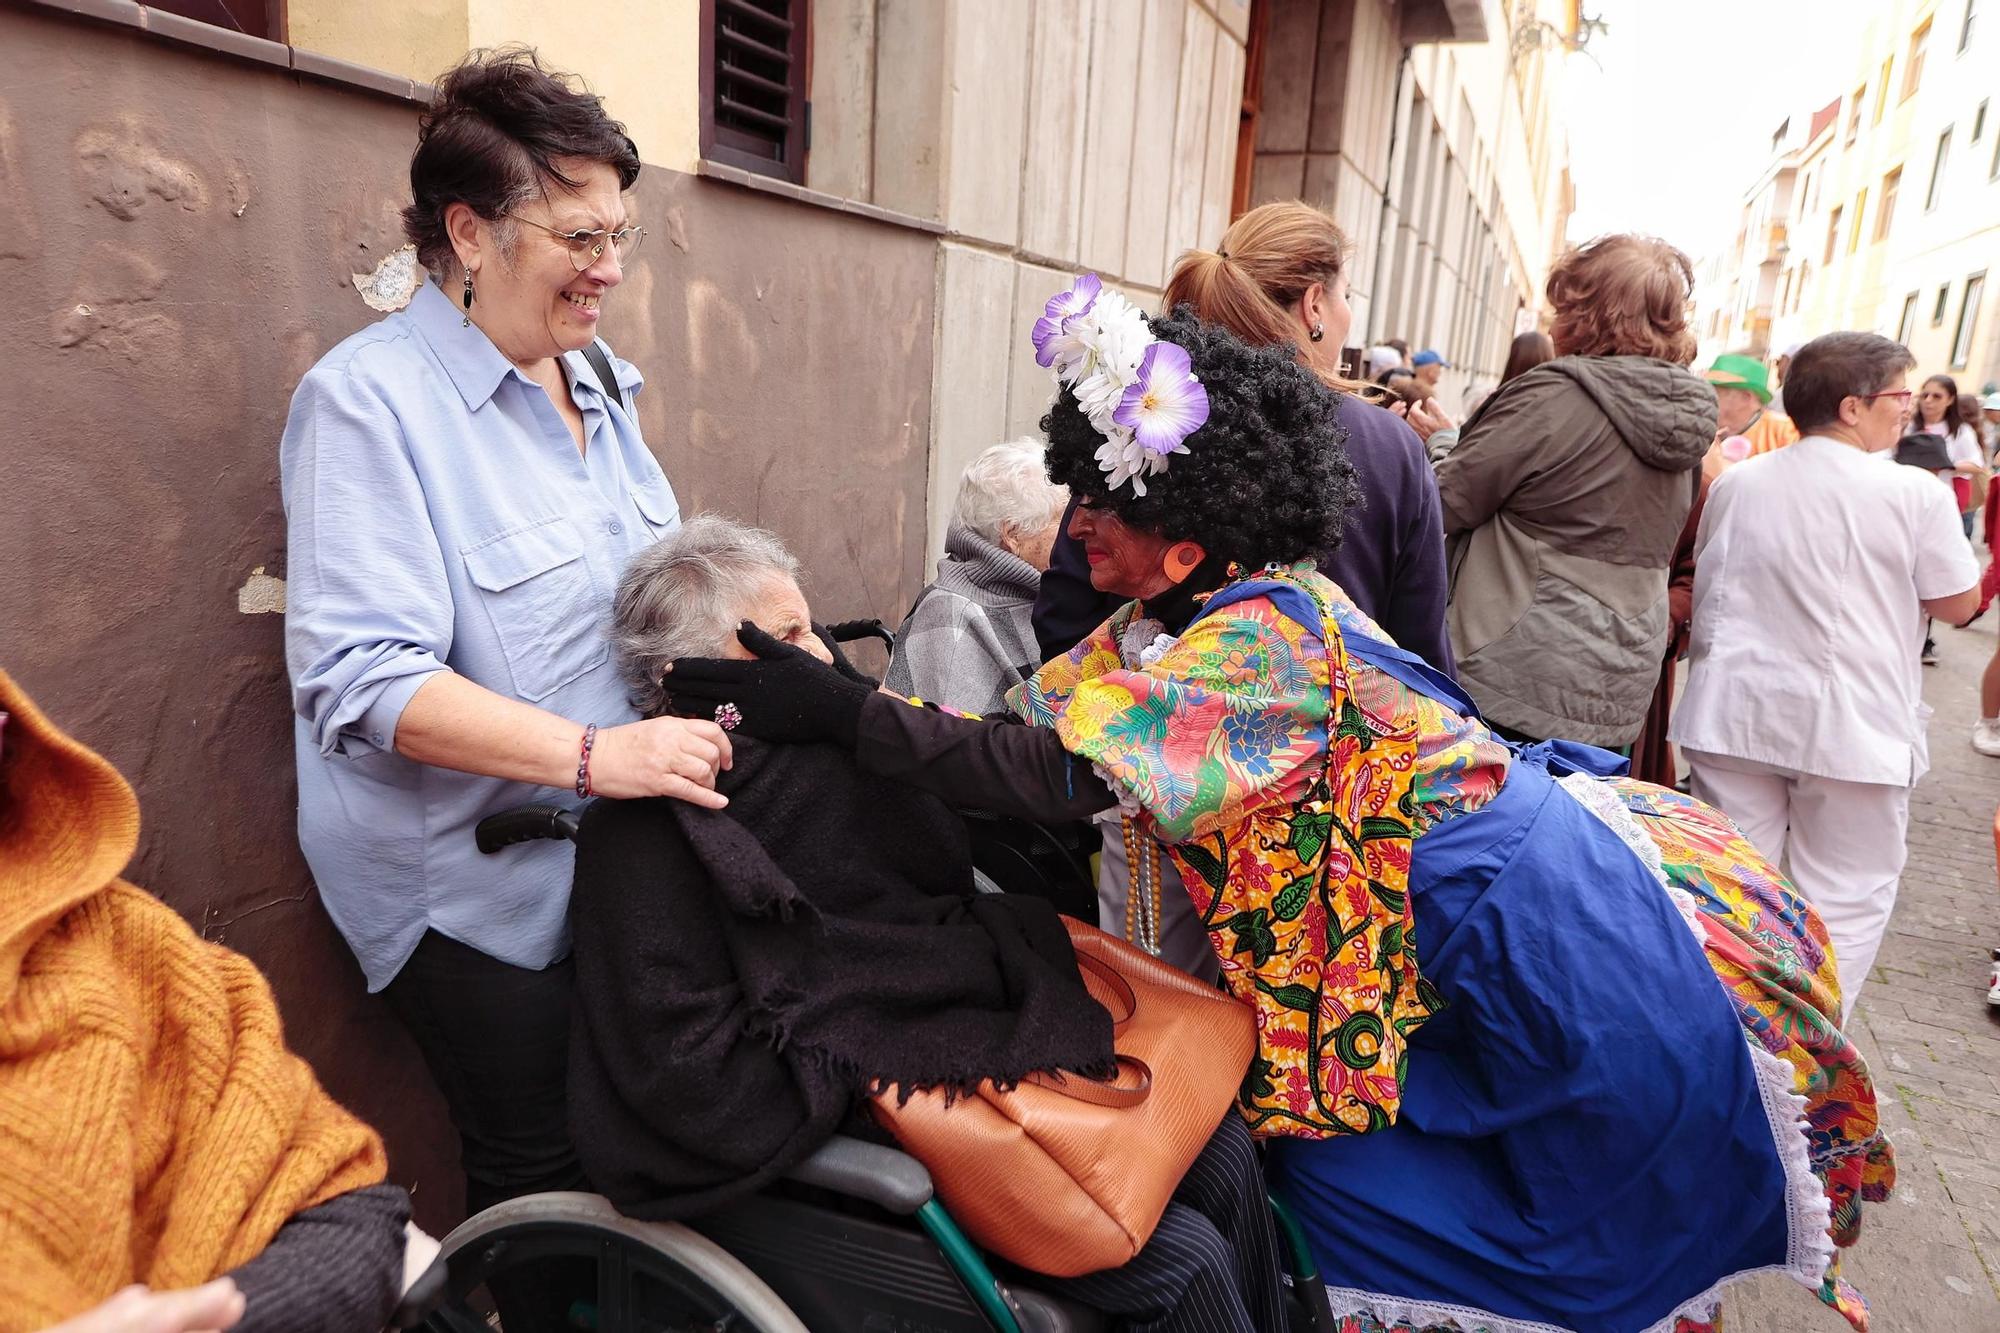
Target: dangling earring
column 467, row 321
column 1181, row 560
column 1318, row 330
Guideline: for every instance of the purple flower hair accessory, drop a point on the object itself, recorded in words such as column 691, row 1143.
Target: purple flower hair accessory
column 1062, row 307
column 1166, row 404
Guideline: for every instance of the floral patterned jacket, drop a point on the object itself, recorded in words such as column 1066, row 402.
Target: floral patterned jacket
column 1287, row 782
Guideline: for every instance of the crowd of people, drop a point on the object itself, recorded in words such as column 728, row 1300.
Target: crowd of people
column 1369, row 711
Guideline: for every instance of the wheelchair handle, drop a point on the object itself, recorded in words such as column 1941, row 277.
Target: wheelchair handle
column 851, row 631
column 525, row 824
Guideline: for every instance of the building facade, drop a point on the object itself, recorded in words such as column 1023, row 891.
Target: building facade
column 855, row 209
column 1444, row 161
column 1883, row 211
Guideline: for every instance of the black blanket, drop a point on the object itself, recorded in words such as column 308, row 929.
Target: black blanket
column 744, row 976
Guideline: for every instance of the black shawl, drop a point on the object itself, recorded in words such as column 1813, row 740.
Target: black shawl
column 743, row 976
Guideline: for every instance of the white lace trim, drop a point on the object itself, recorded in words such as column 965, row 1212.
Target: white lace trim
column 1129, row 806
column 1144, row 642
column 1808, row 1246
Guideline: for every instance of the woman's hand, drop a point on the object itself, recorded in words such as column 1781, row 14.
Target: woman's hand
column 205, row 1309
column 661, row 756
column 1425, row 418
column 786, row 695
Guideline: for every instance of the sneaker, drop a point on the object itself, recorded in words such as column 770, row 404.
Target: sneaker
column 1929, row 657
column 1993, row 992
column 1986, row 737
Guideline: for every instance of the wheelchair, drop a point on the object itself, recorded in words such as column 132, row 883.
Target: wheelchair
column 853, row 1240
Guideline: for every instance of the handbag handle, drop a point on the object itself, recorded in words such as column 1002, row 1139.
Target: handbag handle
column 1115, row 1092
column 1115, row 983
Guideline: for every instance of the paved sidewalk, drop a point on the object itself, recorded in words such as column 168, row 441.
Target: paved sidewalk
column 1929, row 1259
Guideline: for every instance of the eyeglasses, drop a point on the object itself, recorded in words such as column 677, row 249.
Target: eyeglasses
column 586, row 246
column 1904, row 394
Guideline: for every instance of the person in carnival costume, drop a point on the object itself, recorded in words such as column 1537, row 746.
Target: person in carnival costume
column 1539, row 1047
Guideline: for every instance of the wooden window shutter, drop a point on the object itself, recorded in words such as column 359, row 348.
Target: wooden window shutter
column 755, row 62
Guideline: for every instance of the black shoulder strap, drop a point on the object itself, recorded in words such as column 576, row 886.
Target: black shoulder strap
column 606, row 376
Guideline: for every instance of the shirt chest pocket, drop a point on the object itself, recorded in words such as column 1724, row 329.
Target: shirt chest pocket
column 657, row 505
column 536, row 590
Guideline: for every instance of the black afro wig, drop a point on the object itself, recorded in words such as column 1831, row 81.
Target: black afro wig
column 1265, row 480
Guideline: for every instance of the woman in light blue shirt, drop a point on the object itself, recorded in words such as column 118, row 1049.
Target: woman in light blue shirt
column 463, row 484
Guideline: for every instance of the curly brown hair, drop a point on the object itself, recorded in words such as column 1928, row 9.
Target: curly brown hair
column 1623, row 295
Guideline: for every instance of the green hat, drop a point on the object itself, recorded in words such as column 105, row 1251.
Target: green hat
column 1741, row 372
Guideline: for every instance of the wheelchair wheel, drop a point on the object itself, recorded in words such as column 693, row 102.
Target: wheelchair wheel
column 547, row 1263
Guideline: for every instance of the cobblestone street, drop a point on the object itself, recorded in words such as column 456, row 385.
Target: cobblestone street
column 1929, row 1259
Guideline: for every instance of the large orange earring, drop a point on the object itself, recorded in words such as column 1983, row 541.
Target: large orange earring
column 1181, row 560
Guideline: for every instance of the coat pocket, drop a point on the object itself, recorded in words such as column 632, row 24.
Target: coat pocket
column 535, row 585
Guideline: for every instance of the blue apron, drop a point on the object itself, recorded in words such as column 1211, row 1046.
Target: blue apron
column 1583, row 1142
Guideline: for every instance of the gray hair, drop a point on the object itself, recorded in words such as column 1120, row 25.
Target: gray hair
column 683, row 596
column 1008, row 486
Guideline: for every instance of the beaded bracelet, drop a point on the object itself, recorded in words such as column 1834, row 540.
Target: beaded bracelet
column 583, row 762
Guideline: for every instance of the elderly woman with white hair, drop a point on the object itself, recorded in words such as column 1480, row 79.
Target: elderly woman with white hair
column 970, row 637
column 745, row 976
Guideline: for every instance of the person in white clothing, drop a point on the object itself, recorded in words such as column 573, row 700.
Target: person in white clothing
column 1814, row 569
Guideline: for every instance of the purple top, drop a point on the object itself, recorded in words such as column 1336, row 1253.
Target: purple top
column 1390, row 560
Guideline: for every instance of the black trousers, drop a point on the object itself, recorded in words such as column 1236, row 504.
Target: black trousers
column 496, row 1038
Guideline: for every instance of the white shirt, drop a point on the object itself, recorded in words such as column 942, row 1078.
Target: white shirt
column 1810, row 566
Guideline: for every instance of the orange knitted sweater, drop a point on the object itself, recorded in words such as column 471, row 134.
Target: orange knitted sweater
column 153, row 1126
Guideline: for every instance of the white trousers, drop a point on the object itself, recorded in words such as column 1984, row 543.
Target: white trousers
column 1843, row 843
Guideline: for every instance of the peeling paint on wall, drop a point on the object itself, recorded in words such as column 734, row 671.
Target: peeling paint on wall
column 122, row 167
column 261, row 595
column 390, row 284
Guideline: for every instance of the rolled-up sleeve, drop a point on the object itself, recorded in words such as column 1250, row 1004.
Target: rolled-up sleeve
column 368, row 615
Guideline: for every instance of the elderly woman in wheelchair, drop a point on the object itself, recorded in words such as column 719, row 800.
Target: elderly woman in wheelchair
column 746, row 977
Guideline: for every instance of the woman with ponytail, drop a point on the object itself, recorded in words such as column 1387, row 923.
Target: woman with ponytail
column 1279, row 277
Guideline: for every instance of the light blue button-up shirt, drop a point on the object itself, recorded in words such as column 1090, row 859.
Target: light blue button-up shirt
column 440, row 517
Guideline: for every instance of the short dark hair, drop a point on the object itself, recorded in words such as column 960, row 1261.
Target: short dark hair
column 1265, row 478
column 490, row 139
column 1836, row 366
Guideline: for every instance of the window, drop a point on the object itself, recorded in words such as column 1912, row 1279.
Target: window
column 1854, row 229
column 1943, row 300
column 1886, row 209
column 1832, row 235
column 1913, row 67
column 1937, row 171
column 1908, row 323
column 254, row 18
column 1979, row 122
column 754, row 112
column 1993, row 172
column 1965, row 28
column 1882, row 89
column 1968, row 315
column 1799, row 291
column 1854, row 113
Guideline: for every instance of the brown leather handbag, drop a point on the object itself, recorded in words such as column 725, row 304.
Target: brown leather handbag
column 1067, row 1175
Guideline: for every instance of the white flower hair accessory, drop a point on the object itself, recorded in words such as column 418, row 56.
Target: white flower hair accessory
column 1141, row 394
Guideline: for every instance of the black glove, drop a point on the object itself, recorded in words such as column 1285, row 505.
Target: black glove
column 832, row 635
column 786, row 695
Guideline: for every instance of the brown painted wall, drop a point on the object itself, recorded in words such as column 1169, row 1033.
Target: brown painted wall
column 177, row 232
